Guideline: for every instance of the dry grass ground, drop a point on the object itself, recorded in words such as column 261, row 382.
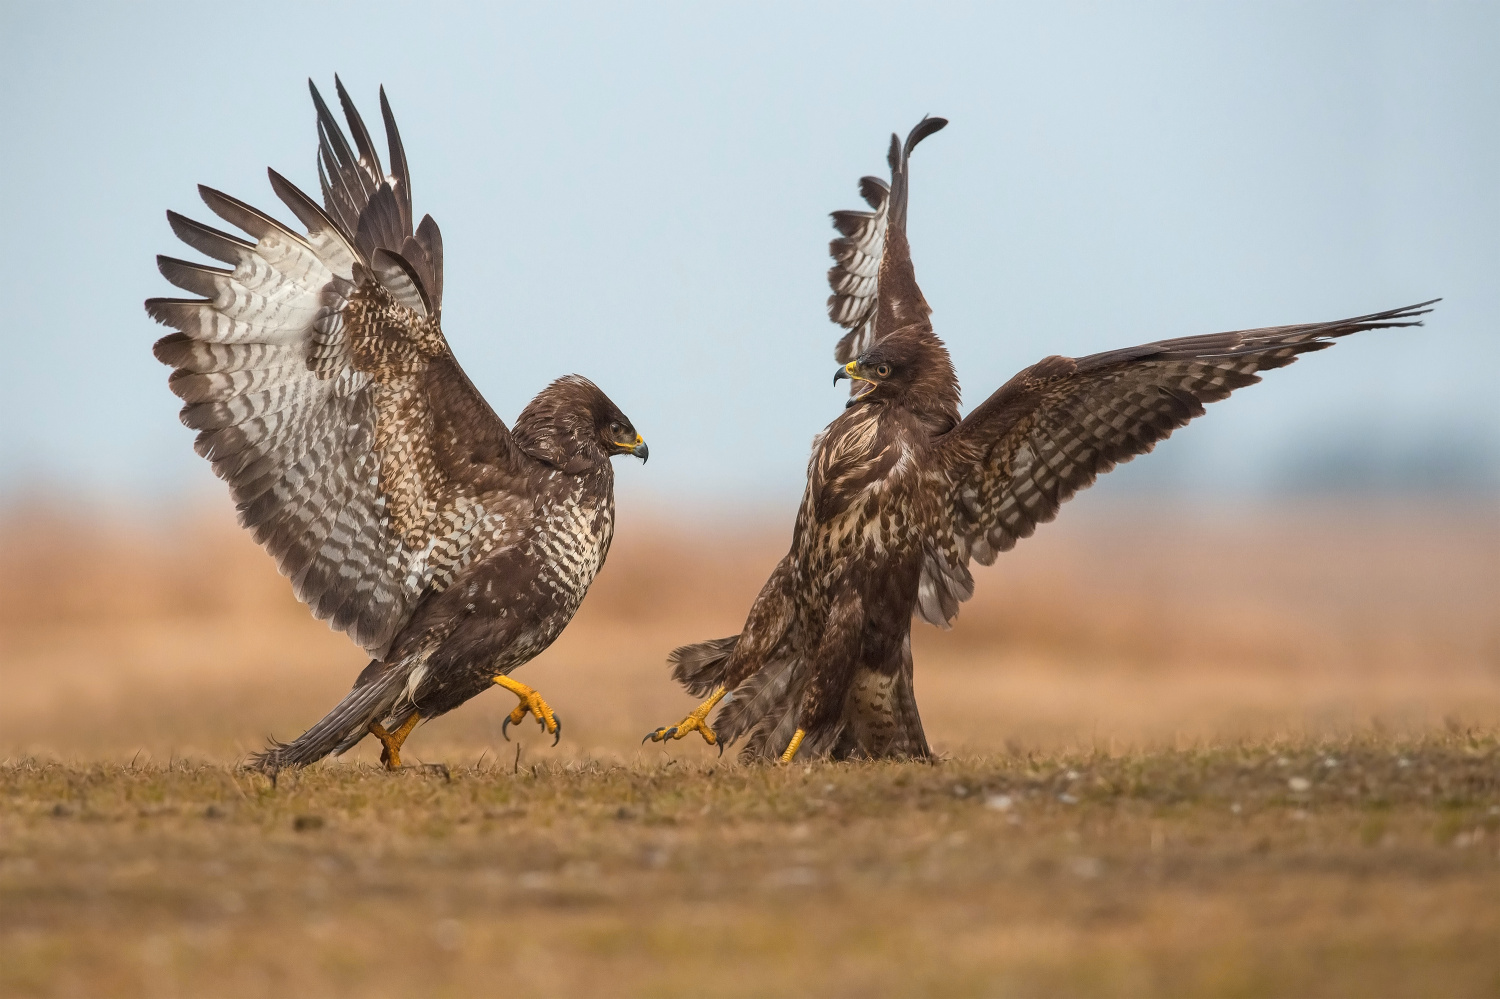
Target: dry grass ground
column 1235, row 753
column 1356, row 868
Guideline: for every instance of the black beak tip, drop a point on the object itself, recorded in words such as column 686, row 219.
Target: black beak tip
column 841, row 373
column 642, row 452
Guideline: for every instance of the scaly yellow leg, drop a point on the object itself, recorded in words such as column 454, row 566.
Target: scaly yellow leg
column 793, row 746
column 697, row 721
column 532, row 703
column 391, row 742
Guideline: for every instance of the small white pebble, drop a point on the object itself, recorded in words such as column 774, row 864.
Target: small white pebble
column 1282, row 761
column 959, row 791
column 1403, row 763
column 1067, row 799
column 999, row 802
column 1235, row 808
column 1299, row 784
column 1330, row 762
column 1071, row 775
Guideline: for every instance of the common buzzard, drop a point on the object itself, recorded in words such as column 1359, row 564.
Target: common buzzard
column 359, row 454
column 902, row 493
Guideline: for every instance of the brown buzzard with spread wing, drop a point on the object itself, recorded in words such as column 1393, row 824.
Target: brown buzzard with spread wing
column 902, row 493
column 404, row 511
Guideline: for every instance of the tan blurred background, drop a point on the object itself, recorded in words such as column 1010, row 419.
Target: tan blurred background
column 170, row 634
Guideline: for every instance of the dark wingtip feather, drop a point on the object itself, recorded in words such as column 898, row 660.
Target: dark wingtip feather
column 898, row 157
column 358, row 182
column 249, row 218
column 848, row 223
column 927, row 126
column 308, row 211
column 172, row 349
column 399, row 168
column 195, row 278
column 1408, row 312
column 360, row 133
column 1401, row 318
column 208, row 240
column 168, row 311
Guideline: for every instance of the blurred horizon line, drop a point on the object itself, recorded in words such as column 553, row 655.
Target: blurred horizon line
column 655, row 510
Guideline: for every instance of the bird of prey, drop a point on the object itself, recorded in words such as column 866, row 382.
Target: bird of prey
column 902, row 494
column 361, row 456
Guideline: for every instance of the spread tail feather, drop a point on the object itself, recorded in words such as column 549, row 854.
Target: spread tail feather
column 700, row 668
column 341, row 728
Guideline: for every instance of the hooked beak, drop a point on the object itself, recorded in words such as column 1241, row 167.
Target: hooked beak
column 640, row 450
column 851, row 372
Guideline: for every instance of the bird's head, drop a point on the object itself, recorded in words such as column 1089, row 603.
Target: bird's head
column 909, row 368
column 617, row 434
column 572, row 424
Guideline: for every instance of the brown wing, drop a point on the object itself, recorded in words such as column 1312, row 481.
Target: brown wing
column 1061, row 423
column 317, row 375
column 872, row 254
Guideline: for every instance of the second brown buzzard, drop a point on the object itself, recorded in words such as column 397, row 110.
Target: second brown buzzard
column 902, row 494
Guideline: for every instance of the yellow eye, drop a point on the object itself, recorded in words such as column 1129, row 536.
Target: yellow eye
column 883, row 371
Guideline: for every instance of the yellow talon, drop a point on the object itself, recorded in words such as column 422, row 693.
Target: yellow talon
column 390, row 753
column 793, row 746
column 697, row 721
column 531, row 703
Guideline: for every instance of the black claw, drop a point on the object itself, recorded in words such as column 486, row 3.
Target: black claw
column 721, row 747
column 557, row 736
column 503, row 726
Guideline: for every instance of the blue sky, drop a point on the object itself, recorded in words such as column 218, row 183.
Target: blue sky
column 640, row 194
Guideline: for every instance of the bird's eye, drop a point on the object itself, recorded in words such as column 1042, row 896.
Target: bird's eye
column 884, row 371
column 616, row 430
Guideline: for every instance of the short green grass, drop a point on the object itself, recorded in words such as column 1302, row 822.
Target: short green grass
column 1358, row 867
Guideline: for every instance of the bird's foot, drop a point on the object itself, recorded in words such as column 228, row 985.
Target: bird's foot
column 391, row 742
column 697, row 721
column 531, row 703
column 793, row 746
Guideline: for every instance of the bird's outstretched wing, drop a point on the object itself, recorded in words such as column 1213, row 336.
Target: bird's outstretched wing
column 872, row 252
column 1059, row 424
column 316, row 373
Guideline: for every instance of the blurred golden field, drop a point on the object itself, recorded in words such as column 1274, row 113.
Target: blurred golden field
column 1146, row 627
column 1184, row 752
